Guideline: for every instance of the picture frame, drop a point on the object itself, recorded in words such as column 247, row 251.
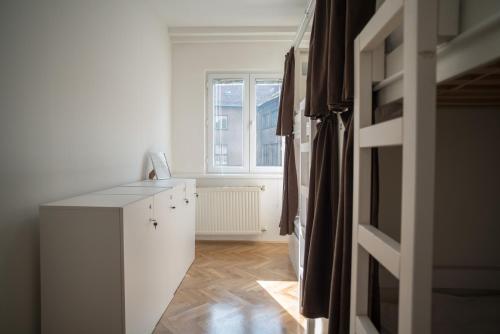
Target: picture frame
column 160, row 165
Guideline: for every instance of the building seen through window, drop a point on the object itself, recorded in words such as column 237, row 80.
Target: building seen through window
column 268, row 144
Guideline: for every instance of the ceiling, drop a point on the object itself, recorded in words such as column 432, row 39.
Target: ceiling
column 230, row 13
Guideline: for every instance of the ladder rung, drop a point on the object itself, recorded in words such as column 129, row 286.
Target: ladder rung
column 385, row 20
column 382, row 247
column 388, row 81
column 364, row 325
column 389, row 133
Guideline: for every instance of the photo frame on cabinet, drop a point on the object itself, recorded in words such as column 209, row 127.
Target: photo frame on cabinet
column 160, row 165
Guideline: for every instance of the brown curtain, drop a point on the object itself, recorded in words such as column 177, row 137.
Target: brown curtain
column 341, row 269
column 321, row 213
column 285, row 128
column 327, row 258
column 340, row 288
column 330, row 77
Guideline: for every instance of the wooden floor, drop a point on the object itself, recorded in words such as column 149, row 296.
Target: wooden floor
column 236, row 288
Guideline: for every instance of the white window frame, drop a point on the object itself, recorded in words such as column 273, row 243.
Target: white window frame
column 253, row 127
column 249, row 118
column 210, row 162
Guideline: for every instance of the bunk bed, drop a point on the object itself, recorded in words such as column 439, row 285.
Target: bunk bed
column 409, row 71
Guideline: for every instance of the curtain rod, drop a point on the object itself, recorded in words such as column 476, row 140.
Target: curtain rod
column 305, row 22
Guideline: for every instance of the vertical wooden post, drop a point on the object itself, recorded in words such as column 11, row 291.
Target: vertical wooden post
column 419, row 119
column 361, row 182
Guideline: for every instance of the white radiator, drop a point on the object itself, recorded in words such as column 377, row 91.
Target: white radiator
column 228, row 210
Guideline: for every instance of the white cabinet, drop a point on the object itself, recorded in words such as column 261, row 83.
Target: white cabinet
column 112, row 260
column 189, row 221
column 143, row 286
column 182, row 201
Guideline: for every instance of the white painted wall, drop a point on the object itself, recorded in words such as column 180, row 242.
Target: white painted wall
column 84, row 94
column 190, row 64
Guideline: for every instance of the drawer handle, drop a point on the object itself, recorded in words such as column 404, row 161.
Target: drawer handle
column 172, row 207
column 155, row 223
column 186, row 200
column 197, row 195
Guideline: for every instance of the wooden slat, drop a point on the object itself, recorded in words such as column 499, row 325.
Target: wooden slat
column 472, row 91
column 387, row 18
column 389, row 133
column 476, row 78
column 364, row 325
column 469, row 103
column 382, row 247
column 480, row 84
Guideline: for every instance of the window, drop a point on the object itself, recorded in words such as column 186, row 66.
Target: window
column 221, row 122
column 220, row 156
column 268, row 146
column 242, row 115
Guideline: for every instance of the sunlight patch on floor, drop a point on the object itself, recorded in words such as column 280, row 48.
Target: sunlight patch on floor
column 285, row 293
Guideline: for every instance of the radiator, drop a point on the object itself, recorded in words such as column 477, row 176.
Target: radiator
column 228, row 210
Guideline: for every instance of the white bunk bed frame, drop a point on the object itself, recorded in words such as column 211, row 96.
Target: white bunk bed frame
column 411, row 71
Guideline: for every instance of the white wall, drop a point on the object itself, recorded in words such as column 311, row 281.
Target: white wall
column 190, row 63
column 84, row 94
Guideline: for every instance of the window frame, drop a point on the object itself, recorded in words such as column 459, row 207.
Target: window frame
column 253, row 126
column 249, row 122
column 210, row 125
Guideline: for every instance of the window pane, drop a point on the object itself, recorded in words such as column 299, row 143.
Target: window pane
column 221, row 122
column 267, row 97
column 228, row 97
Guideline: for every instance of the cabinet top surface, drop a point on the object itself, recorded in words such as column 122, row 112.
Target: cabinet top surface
column 129, row 190
column 159, row 183
column 97, row 200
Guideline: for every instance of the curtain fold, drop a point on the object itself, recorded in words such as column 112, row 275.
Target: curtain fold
column 285, row 128
column 321, row 213
column 340, row 288
column 327, row 257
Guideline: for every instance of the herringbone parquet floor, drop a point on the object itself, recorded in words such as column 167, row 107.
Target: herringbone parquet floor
column 234, row 288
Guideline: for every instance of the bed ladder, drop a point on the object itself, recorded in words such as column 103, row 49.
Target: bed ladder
column 411, row 260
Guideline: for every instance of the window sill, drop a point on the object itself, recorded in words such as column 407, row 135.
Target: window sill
column 229, row 176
